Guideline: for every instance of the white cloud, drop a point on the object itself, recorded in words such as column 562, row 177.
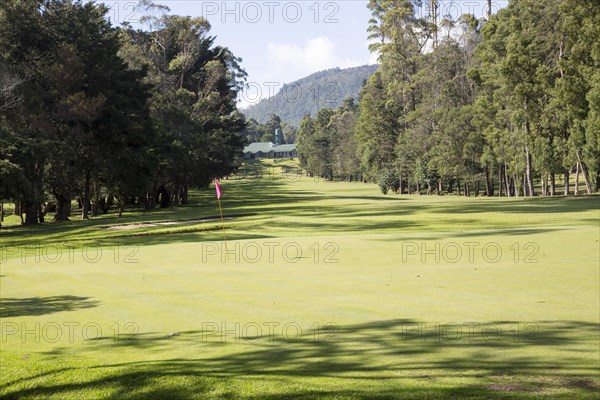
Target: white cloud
column 374, row 58
column 291, row 61
column 286, row 62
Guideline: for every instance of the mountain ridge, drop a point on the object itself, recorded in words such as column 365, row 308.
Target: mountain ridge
column 308, row 95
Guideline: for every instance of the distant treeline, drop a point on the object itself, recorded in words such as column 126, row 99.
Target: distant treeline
column 503, row 104
column 111, row 115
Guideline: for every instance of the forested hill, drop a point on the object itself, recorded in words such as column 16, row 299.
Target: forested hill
column 324, row 89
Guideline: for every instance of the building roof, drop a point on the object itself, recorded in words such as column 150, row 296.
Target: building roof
column 285, row 147
column 265, row 147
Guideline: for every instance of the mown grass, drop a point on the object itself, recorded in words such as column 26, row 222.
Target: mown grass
column 323, row 290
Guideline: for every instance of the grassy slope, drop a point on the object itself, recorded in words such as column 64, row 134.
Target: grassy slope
column 388, row 319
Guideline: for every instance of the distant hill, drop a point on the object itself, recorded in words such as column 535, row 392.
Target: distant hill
column 325, row 89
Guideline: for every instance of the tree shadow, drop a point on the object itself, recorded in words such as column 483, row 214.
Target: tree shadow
column 34, row 306
column 530, row 205
column 374, row 360
column 432, row 236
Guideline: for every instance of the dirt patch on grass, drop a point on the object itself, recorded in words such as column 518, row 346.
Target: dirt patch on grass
column 501, row 387
column 581, row 383
column 127, row 227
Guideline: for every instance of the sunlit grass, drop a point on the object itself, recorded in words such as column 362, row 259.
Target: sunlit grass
column 369, row 299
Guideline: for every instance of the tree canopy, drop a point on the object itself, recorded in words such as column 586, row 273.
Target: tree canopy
column 508, row 102
column 95, row 112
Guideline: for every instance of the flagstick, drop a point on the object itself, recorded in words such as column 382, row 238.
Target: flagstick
column 222, row 221
column 223, row 227
column 218, row 189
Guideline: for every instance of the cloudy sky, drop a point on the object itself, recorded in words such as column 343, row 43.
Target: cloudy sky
column 282, row 41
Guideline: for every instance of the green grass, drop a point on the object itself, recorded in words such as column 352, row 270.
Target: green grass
column 379, row 317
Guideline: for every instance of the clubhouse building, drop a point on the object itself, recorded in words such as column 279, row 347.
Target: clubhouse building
column 269, row 150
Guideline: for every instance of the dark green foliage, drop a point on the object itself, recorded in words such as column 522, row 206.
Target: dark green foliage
column 502, row 102
column 327, row 145
column 388, row 180
column 99, row 113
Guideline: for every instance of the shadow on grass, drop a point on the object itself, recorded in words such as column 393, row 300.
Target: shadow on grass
column 269, row 205
column 34, row 306
column 242, row 198
column 391, row 359
column 530, row 205
column 478, row 234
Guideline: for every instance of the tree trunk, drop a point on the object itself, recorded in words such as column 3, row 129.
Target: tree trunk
column 1, row 212
column 21, row 214
column 489, row 9
column 434, row 14
column 176, row 194
column 543, row 180
column 31, row 212
column 500, row 180
column 418, row 188
column 458, row 186
column 40, row 213
column 566, row 190
column 507, row 181
column 96, row 202
column 586, row 178
column 576, row 179
column 62, row 207
column 467, row 194
column 584, row 171
column 86, row 196
column 516, row 182
column 152, row 196
column 401, row 188
column 529, row 172
column 451, row 186
column 165, row 198
column 552, row 184
column 184, row 194
column 17, row 208
column 489, row 189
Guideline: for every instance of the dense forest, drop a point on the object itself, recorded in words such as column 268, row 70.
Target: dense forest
column 500, row 105
column 506, row 105
column 324, row 89
column 111, row 116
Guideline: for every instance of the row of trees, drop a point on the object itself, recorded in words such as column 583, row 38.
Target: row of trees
column 99, row 113
column 257, row 132
column 471, row 104
column 327, row 144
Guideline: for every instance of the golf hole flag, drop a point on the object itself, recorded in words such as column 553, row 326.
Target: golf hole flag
column 218, row 189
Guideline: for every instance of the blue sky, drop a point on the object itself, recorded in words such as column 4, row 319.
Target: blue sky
column 281, row 41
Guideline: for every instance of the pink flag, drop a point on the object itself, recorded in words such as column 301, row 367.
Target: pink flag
column 218, row 189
